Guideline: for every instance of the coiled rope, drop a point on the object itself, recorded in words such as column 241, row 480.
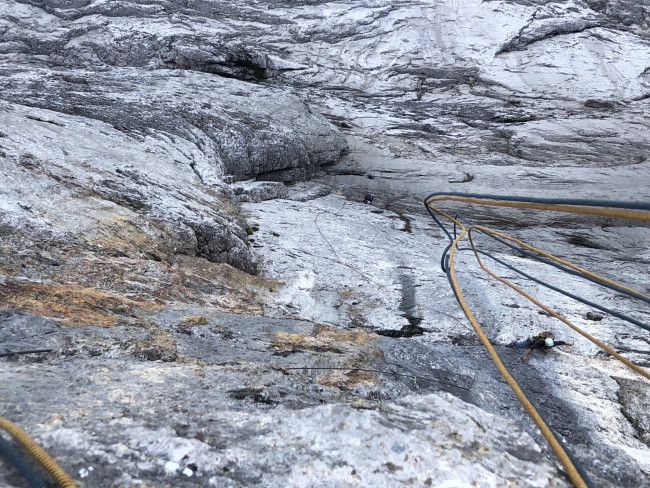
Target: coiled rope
column 38, row 453
column 537, row 257
column 557, row 448
column 602, row 208
column 548, row 310
column 628, row 210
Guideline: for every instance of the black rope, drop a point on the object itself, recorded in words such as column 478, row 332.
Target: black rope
column 451, row 240
column 34, row 351
column 565, row 269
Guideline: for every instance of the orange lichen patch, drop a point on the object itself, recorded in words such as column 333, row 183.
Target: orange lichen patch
column 284, row 341
column 349, row 379
column 71, row 305
column 204, row 270
column 355, row 350
column 207, row 197
column 328, row 333
column 219, row 285
column 118, row 256
column 112, row 227
column 188, row 280
column 161, row 338
column 358, row 374
column 325, row 338
column 157, row 346
column 240, row 305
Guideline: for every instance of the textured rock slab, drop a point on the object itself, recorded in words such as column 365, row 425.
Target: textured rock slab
column 333, row 257
column 109, row 435
column 634, row 396
column 495, row 96
column 87, row 181
column 336, row 258
column 106, row 70
column 230, row 127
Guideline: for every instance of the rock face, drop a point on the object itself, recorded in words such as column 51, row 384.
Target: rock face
column 216, row 320
column 415, row 440
column 194, row 128
column 173, row 404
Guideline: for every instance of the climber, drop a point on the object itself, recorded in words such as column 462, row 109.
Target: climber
column 371, row 176
column 543, row 340
column 369, row 198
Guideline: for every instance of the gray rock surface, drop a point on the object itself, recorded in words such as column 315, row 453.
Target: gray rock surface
column 217, row 321
column 417, row 440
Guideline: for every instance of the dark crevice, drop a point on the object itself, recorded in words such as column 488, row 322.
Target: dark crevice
column 409, row 330
column 31, row 117
column 584, row 242
column 522, row 41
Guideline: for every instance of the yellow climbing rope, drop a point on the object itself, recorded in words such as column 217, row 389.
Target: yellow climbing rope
column 618, row 213
column 557, row 448
column 548, row 310
column 540, row 204
column 38, row 453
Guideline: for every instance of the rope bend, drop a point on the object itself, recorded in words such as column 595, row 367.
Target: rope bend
column 529, row 254
column 589, row 303
column 628, row 210
column 555, row 445
column 38, row 453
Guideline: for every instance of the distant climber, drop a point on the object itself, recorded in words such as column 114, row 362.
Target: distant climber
column 543, row 340
column 369, row 198
column 371, row 176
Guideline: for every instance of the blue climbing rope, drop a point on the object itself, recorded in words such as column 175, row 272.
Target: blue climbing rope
column 11, row 454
